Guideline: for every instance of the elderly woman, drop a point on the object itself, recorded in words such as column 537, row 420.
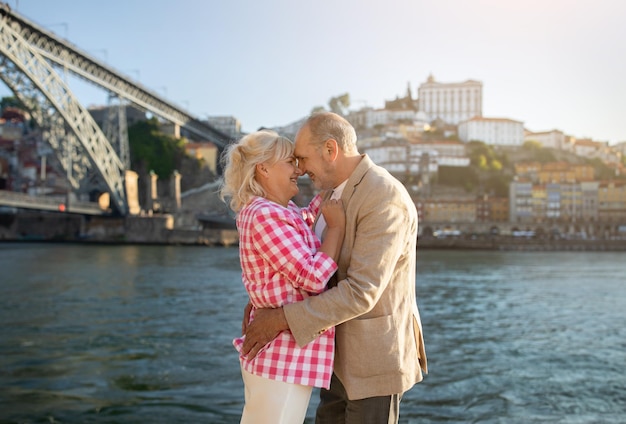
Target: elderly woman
column 282, row 262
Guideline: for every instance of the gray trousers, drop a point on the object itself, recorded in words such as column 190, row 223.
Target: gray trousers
column 336, row 408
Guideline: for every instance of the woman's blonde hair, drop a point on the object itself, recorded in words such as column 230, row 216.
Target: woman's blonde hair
column 239, row 162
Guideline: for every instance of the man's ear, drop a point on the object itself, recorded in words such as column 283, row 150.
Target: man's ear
column 331, row 149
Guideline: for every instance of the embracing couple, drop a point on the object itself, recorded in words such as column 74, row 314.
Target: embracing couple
column 331, row 286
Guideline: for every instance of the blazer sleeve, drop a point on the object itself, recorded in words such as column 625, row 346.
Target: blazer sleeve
column 376, row 239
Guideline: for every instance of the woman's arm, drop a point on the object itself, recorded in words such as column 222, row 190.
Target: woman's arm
column 286, row 245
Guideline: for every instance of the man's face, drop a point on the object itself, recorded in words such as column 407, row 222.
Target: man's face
column 311, row 161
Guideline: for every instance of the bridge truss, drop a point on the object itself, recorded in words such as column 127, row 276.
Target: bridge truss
column 29, row 59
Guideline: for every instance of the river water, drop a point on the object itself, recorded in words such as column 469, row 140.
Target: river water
column 142, row 334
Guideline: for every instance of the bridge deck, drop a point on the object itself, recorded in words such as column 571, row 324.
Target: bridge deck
column 57, row 204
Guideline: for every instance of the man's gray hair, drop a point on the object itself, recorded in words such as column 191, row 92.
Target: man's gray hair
column 325, row 125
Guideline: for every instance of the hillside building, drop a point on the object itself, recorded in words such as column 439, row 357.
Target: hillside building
column 493, row 131
column 450, row 102
column 554, row 139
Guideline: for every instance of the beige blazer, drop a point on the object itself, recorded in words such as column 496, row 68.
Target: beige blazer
column 379, row 343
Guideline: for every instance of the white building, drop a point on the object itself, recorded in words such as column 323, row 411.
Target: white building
column 368, row 118
column 620, row 147
column 290, row 130
column 494, row 131
column 449, row 153
column 229, row 125
column 450, row 102
column 554, row 139
column 399, row 156
column 586, row 147
column 9, row 131
column 596, row 149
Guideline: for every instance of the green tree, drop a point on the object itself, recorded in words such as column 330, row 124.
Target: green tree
column 488, row 171
column 602, row 170
column 497, row 184
column 10, row 101
column 150, row 149
column 481, row 162
column 454, row 176
column 339, row 104
column 538, row 152
column 531, row 145
column 485, row 158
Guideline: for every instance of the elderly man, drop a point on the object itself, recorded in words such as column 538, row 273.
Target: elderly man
column 379, row 345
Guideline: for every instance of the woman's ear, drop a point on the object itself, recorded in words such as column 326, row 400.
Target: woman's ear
column 261, row 169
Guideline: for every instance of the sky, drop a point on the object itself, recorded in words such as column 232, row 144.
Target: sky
column 551, row 64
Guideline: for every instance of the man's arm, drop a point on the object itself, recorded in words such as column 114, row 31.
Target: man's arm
column 264, row 328
column 379, row 229
column 246, row 317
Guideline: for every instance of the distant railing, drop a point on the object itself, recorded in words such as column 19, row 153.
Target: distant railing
column 48, row 203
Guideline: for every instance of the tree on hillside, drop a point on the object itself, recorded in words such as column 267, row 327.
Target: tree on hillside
column 602, row 170
column 497, row 184
column 492, row 168
column 484, row 157
column 150, row 149
column 338, row 104
column 11, row 101
column 161, row 153
column 455, row 176
column 539, row 153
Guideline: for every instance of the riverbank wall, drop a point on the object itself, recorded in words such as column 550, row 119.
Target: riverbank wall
column 507, row 243
column 161, row 229
column 154, row 229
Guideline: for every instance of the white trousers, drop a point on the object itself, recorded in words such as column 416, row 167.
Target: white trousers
column 273, row 402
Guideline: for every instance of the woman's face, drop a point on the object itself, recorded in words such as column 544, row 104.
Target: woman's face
column 280, row 180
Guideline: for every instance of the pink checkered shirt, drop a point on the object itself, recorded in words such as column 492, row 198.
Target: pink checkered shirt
column 281, row 264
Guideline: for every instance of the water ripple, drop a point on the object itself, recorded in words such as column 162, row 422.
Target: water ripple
column 128, row 334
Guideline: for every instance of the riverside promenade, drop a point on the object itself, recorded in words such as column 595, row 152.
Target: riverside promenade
column 160, row 229
column 508, row 243
column 150, row 229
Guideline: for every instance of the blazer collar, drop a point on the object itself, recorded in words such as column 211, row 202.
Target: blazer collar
column 354, row 180
column 356, row 177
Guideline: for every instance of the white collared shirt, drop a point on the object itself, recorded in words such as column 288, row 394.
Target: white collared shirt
column 320, row 225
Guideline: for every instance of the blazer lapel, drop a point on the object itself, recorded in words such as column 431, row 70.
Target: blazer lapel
column 355, row 179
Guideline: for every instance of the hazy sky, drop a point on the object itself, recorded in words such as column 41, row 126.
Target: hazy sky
column 552, row 64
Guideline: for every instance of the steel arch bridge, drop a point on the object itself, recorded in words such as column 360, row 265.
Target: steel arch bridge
column 29, row 59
